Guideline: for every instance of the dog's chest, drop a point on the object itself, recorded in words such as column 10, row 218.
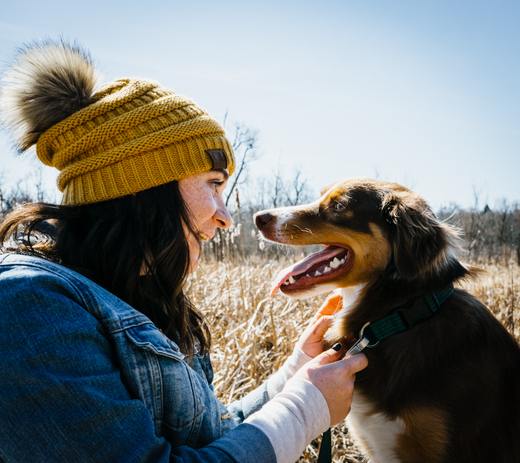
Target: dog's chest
column 373, row 431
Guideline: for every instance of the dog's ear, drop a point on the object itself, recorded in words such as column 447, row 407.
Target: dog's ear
column 420, row 243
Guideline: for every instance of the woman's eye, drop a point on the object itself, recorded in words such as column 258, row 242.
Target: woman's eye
column 217, row 183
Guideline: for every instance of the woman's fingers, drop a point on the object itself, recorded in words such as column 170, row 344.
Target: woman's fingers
column 321, row 326
column 311, row 340
column 331, row 355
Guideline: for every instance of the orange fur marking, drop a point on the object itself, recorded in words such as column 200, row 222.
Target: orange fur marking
column 371, row 251
column 332, row 304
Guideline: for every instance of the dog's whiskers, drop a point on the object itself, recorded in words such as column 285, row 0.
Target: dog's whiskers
column 303, row 229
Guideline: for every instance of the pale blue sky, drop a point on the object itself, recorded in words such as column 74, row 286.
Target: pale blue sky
column 426, row 93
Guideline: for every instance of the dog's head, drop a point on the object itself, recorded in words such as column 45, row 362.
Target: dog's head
column 368, row 227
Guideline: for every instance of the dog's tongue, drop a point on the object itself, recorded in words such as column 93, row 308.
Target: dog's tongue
column 303, row 265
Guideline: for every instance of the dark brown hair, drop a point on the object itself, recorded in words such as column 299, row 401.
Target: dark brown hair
column 109, row 241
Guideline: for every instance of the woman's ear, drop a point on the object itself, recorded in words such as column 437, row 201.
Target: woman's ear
column 420, row 243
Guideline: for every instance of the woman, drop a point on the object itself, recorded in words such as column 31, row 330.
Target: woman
column 103, row 358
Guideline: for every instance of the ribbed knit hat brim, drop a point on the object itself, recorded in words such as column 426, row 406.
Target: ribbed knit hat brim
column 136, row 135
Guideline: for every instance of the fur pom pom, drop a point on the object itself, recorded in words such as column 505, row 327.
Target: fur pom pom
column 48, row 81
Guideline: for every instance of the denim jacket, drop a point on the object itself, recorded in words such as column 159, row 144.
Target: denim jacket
column 85, row 377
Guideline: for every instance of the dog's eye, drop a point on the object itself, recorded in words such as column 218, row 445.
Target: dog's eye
column 338, row 207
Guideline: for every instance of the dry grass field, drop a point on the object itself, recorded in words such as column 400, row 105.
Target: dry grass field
column 253, row 333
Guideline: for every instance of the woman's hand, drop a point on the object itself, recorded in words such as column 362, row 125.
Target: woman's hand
column 334, row 377
column 307, row 347
column 311, row 340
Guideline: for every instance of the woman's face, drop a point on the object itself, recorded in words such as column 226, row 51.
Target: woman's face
column 202, row 193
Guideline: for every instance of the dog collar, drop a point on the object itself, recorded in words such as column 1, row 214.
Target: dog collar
column 401, row 319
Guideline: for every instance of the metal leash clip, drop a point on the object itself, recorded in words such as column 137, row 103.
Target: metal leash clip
column 361, row 343
column 325, row 453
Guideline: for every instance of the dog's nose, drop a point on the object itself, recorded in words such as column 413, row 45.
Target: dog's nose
column 262, row 219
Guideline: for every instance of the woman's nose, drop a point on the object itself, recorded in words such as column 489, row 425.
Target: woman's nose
column 223, row 217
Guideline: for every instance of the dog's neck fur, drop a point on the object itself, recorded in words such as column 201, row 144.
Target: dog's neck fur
column 371, row 301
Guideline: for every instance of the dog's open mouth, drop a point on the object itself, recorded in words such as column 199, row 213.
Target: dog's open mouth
column 317, row 268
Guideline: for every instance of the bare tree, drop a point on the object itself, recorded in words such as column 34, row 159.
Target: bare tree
column 297, row 191
column 245, row 148
column 277, row 190
column 12, row 198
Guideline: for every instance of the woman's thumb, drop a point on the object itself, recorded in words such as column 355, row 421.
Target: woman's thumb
column 356, row 362
column 331, row 355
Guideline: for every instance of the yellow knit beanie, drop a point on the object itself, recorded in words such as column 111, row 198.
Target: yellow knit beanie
column 127, row 137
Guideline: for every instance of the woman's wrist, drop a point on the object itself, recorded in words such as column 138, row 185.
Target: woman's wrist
column 294, row 362
column 297, row 415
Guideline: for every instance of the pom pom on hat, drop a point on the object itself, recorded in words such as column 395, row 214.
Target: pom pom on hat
column 48, row 82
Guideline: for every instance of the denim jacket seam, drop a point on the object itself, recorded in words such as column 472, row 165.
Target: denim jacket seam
column 127, row 327
column 156, row 370
column 198, row 408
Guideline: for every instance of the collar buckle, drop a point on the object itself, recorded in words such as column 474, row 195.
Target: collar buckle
column 362, row 343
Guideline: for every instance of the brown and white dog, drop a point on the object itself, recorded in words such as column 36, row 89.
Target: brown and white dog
column 446, row 390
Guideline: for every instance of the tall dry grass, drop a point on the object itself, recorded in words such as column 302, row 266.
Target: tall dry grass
column 253, row 333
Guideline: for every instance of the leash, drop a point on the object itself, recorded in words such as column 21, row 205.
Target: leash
column 403, row 318
column 325, row 455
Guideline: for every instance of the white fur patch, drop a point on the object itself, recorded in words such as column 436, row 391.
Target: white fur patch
column 375, row 433
column 350, row 298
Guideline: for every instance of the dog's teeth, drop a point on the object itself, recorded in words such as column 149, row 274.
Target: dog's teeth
column 317, row 273
column 291, row 280
column 326, row 269
column 342, row 261
column 335, row 263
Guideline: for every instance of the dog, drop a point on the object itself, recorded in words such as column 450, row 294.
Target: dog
column 446, row 387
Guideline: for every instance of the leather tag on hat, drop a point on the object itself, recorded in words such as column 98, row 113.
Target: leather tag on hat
column 218, row 159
